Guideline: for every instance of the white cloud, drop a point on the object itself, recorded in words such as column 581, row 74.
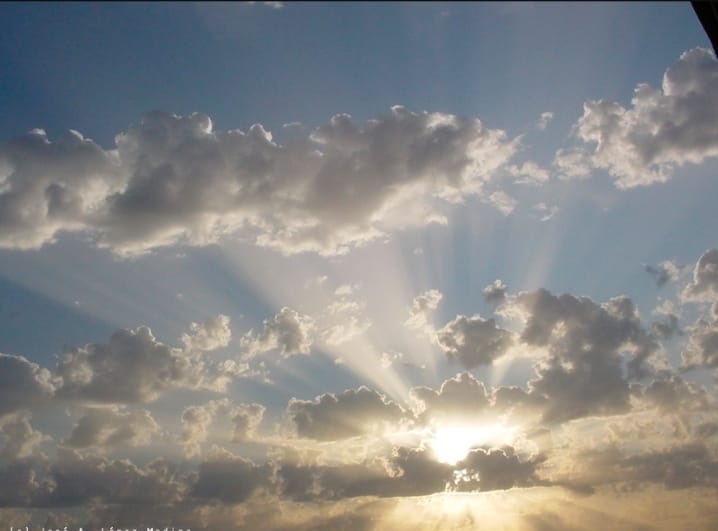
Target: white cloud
column 421, row 308
column 175, row 180
column 664, row 128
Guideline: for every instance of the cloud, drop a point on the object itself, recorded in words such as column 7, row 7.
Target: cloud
column 474, row 341
column 228, row 478
column 544, row 120
column 583, row 373
column 197, row 420
column 495, row 469
column 664, row 128
column 503, row 202
column 214, row 333
column 421, row 307
column 351, row 413
column 663, row 274
column 545, row 212
column 18, row 439
column 495, row 292
column 107, row 427
column 22, row 384
column 288, row 331
column 174, row 180
column 136, row 368
column 704, row 285
column 702, row 347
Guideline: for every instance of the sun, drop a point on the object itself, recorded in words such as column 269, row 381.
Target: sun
column 451, row 444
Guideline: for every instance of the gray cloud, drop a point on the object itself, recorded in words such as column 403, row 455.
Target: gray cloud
column 474, row 341
column 107, row 427
column 663, row 274
column 288, row 331
column 495, row 469
column 704, row 286
column 702, row 347
column 495, row 292
column 18, row 439
column 174, row 180
column 583, row 373
column 22, row 384
column 228, row 478
column 663, row 128
column 351, row 413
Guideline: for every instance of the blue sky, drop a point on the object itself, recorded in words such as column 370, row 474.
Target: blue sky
column 317, row 282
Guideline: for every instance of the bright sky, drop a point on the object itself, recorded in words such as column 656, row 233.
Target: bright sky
column 375, row 264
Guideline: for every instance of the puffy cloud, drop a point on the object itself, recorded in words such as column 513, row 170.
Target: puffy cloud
column 288, row 331
column 228, row 478
column 106, row 427
column 474, row 341
column 79, row 479
column 18, row 439
column 174, row 179
column 495, row 469
column 136, row 368
column 503, row 202
column 663, row 274
column 214, row 333
column 662, row 129
column 459, row 398
column 668, row 328
column 197, row 419
column 22, row 384
column 583, row 373
column 528, row 173
column 495, row 292
column 246, row 418
column 672, row 394
column 704, row 285
column 702, row 347
column 421, row 307
column 47, row 187
column 351, row 413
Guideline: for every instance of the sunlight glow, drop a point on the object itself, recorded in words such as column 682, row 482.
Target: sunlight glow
column 451, row 444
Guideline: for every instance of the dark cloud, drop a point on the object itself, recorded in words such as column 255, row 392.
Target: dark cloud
column 351, row 413
column 105, row 427
column 228, row 478
column 702, row 347
column 22, row 384
column 495, row 469
column 133, row 367
column 474, row 341
column 583, row 374
column 495, row 292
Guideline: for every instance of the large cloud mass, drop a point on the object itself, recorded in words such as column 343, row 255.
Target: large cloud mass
column 174, row 179
column 662, row 129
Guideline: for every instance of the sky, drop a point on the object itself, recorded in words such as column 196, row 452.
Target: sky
column 358, row 266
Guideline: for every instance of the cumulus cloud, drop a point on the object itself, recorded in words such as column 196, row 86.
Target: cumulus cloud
column 18, row 439
column 197, row 420
column 134, row 367
column 421, row 307
column 107, row 427
column 664, row 128
column 583, row 374
column 348, row 414
column 228, row 478
column 666, row 272
column 544, row 120
column 474, row 341
column 495, row 292
column 174, row 179
column 288, row 331
column 704, row 285
column 22, row 384
column 495, row 469
column 702, row 347
column 214, row 333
